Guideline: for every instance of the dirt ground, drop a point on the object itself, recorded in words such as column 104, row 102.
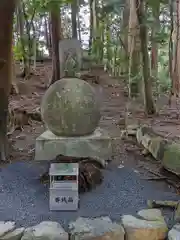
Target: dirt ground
column 113, row 98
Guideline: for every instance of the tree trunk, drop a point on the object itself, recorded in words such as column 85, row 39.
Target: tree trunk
column 91, row 26
column 56, row 36
column 74, row 10
column 34, row 53
column 125, row 22
column 176, row 39
column 154, row 31
column 7, row 9
column 171, row 51
column 50, row 36
column 21, row 23
column 107, row 45
column 171, row 46
column 47, row 36
column 34, row 45
column 141, row 13
column 134, row 48
column 78, row 22
column 94, row 41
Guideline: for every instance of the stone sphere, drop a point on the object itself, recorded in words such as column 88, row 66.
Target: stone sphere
column 70, row 108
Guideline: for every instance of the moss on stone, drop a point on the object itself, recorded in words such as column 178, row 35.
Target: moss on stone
column 70, row 108
column 160, row 148
column 171, row 158
column 157, row 147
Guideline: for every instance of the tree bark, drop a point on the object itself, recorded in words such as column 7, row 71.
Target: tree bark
column 50, row 36
column 94, row 34
column 74, row 10
column 171, row 46
column 21, row 23
column 78, row 22
column 47, row 36
column 91, row 26
column 56, row 36
column 171, row 51
column 125, row 22
column 134, row 48
column 176, row 70
column 149, row 104
column 154, row 31
column 7, row 9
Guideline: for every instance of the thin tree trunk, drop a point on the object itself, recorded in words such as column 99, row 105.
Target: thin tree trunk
column 7, row 9
column 50, row 36
column 171, row 50
column 78, row 22
column 47, row 36
column 29, row 43
column 124, row 66
column 176, row 73
column 91, row 26
column 134, row 48
column 34, row 53
column 74, row 10
column 155, row 30
column 56, row 36
column 21, row 22
column 149, row 104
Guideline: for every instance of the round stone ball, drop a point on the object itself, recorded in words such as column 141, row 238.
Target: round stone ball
column 70, row 108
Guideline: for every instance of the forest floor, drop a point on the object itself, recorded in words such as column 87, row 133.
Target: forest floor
column 126, row 153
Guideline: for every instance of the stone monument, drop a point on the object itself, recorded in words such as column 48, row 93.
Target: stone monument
column 70, row 57
column 71, row 113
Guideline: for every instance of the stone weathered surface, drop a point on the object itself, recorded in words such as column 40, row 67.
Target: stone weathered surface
column 151, row 214
column 151, row 141
column 97, row 146
column 14, row 235
column 98, row 228
column 6, row 227
column 45, row 231
column 167, row 152
column 174, row 233
column 139, row 229
column 70, row 57
column 171, row 158
column 70, row 108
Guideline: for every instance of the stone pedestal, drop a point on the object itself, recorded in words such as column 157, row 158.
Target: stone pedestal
column 97, row 145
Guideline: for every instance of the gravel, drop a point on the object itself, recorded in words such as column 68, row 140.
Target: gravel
column 25, row 200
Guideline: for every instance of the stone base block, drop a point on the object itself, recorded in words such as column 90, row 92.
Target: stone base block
column 97, row 145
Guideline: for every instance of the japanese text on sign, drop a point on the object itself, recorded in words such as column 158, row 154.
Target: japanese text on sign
column 64, row 200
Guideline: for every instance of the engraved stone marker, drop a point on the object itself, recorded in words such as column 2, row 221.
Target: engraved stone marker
column 70, row 57
column 71, row 113
column 70, row 108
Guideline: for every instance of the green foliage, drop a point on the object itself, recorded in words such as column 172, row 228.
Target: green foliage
column 161, row 37
column 112, row 7
column 48, row 5
column 164, row 81
column 109, row 43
